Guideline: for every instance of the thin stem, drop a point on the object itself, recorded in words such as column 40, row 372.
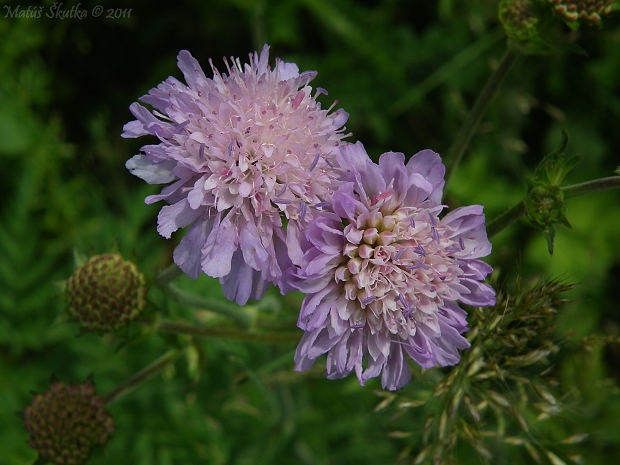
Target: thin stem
column 470, row 125
column 185, row 328
column 143, row 375
column 507, row 218
column 589, row 187
column 244, row 315
column 167, row 275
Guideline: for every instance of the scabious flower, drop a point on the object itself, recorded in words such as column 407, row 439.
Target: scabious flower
column 243, row 151
column 383, row 272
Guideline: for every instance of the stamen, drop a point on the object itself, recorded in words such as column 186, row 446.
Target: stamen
column 322, row 204
column 461, row 243
column 181, row 126
column 302, row 210
column 230, row 147
column 281, row 201
column 420, row 251
column 328, row 162
column 432, row 218
column 281, row 191
column 417, row 265
column 435, row 235
column 314, row 163
column 201, row 152
column 412, row 222
column 357, row 326
column 399, row 254
column 368, row 300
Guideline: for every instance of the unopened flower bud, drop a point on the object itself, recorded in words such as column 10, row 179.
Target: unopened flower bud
column 582, row 10
column 106, row 293
column 519, row 18
column 67, row 422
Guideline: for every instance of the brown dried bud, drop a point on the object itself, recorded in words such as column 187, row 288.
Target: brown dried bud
column 67, row 422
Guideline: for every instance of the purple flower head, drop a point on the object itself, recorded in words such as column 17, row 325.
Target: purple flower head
column 241, row 151
column 383, row 272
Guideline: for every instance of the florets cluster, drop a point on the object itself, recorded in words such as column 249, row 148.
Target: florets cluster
column 106, row 293
column 584, row 10
column 67, row 422
column 243, row 151
column 383, row 272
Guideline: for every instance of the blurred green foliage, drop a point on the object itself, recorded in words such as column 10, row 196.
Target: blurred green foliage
column 407, row 72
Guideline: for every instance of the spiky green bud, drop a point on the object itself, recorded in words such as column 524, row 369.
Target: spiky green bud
column 106, row 293
column 519, row 18
column 67, row 422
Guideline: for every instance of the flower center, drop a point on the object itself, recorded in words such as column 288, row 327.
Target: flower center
column 398, row 267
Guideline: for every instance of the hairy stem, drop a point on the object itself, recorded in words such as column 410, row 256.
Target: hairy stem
column 507, row 218
column 143, row 375
column 243, row 315
column 470, row 125
column 186, row 328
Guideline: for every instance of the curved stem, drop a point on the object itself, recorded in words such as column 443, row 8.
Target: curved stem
column 470, row 125
column 186, row 328
column 507, row 218
column 143, row 375
column 167, row 275
column 243, row 315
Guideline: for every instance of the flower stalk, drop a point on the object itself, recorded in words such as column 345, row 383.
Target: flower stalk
column 471, row 123
column 507, row 218
column 143, row 375
column 194, row 330
column 242, row 315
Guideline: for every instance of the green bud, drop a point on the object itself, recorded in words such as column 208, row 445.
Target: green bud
column 67, row 422
column 106, row 293
column 523, row 21
column 544, row 205
column 519, row 18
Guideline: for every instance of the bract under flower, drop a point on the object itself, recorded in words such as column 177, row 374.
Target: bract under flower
column 241, row 150
column 383, row 272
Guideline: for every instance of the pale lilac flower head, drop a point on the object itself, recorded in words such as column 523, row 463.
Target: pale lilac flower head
column 383, row 272
column 242, row 150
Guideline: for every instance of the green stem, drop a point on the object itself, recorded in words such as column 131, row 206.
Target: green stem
column 589, row 187
column 143, row 375
column 243, row 315
column 470, row 125
column 167, row 275
column 507, row 218
column 186, row 328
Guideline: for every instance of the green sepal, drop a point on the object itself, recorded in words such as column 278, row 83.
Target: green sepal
column 555, row 166
column 550, row 237
column 79, row 258
column 544, row 205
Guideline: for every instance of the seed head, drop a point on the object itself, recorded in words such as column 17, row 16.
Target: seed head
column 67, row 422
column 106, row 293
